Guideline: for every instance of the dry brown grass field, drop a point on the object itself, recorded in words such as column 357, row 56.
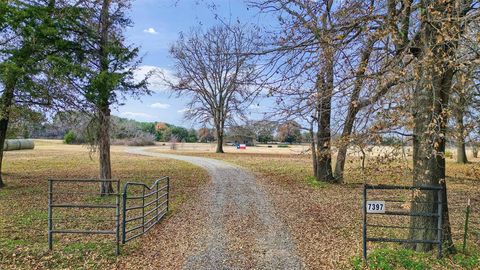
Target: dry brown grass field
column 324, row 219
column 23, row 208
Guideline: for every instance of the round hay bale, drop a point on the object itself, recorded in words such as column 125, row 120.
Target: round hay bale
column 18, row 144
column 11, row 145
column 27, row 144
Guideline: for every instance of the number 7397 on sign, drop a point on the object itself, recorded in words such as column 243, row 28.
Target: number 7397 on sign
column 375, row 207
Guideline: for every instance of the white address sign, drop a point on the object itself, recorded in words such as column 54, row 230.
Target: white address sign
column 375, row 206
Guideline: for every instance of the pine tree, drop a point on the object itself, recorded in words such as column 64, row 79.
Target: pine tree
column 105, row 72
column 32, row 35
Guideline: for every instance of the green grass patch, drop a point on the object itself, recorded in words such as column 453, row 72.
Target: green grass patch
column 98, row 199
column 81, row 247
column 314, row 183
column 10, row 244
column 32, row 217
column 391, row 259
column 467, row 261
column 283, row 146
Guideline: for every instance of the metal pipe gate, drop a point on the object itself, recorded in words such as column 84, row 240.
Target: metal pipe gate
column 150, row 208
column 68, row 205
column 378, row 207
column 142, row 207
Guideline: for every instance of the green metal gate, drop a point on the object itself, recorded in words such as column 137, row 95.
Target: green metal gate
column 143, row 207
column 76, row 203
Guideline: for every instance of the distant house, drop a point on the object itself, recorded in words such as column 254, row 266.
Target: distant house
column 241, row 139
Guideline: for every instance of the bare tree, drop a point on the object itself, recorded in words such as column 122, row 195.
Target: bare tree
column 464, row 100
column 217, row 69
column 205, row 135
column 289, row 132
column 316, row 54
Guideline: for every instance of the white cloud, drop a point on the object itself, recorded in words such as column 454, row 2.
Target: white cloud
column 158, row 75
column 150, row 30
column 159, row 105
column 184, row 110
column 137, row 115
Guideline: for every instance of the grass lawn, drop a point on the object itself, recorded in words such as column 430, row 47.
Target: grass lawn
column 23, row 205
column 326, row 220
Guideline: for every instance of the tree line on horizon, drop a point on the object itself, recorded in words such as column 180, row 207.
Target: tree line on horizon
column 72, row 127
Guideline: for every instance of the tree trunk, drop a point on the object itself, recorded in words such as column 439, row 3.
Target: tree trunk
column 3, row 133
column 341, row 159
column 323, row 151
column 103, row 108
column 324, row 91
column 219, row 143
column 430, row 120
column 6, row 103
column 344, row 143
column 430, row 114
column 104, row 149
column 353, row 109
column 475, row 151
column 461, row 151
column 314, row 151
column 219, row 133
column 447, row 230
column 429, row 164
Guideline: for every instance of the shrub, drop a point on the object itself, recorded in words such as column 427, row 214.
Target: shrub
column 138, row 142
column 69, row 138
column 140, row 139
column 448, row 154
column 173, row 143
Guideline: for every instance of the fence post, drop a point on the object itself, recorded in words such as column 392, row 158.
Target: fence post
column 117, row 219
column 124, row 213
column 440, row 222
column 143, row 209
column 364, row 234
column 467, row 216
column 50, row 225
column 156, row 201
column 168, row 193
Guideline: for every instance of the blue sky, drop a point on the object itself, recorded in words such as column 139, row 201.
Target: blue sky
column 157, row 24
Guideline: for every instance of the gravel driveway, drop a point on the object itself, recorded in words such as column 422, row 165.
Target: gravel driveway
column 242, row 230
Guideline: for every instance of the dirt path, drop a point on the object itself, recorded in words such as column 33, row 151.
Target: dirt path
column 241, row 229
